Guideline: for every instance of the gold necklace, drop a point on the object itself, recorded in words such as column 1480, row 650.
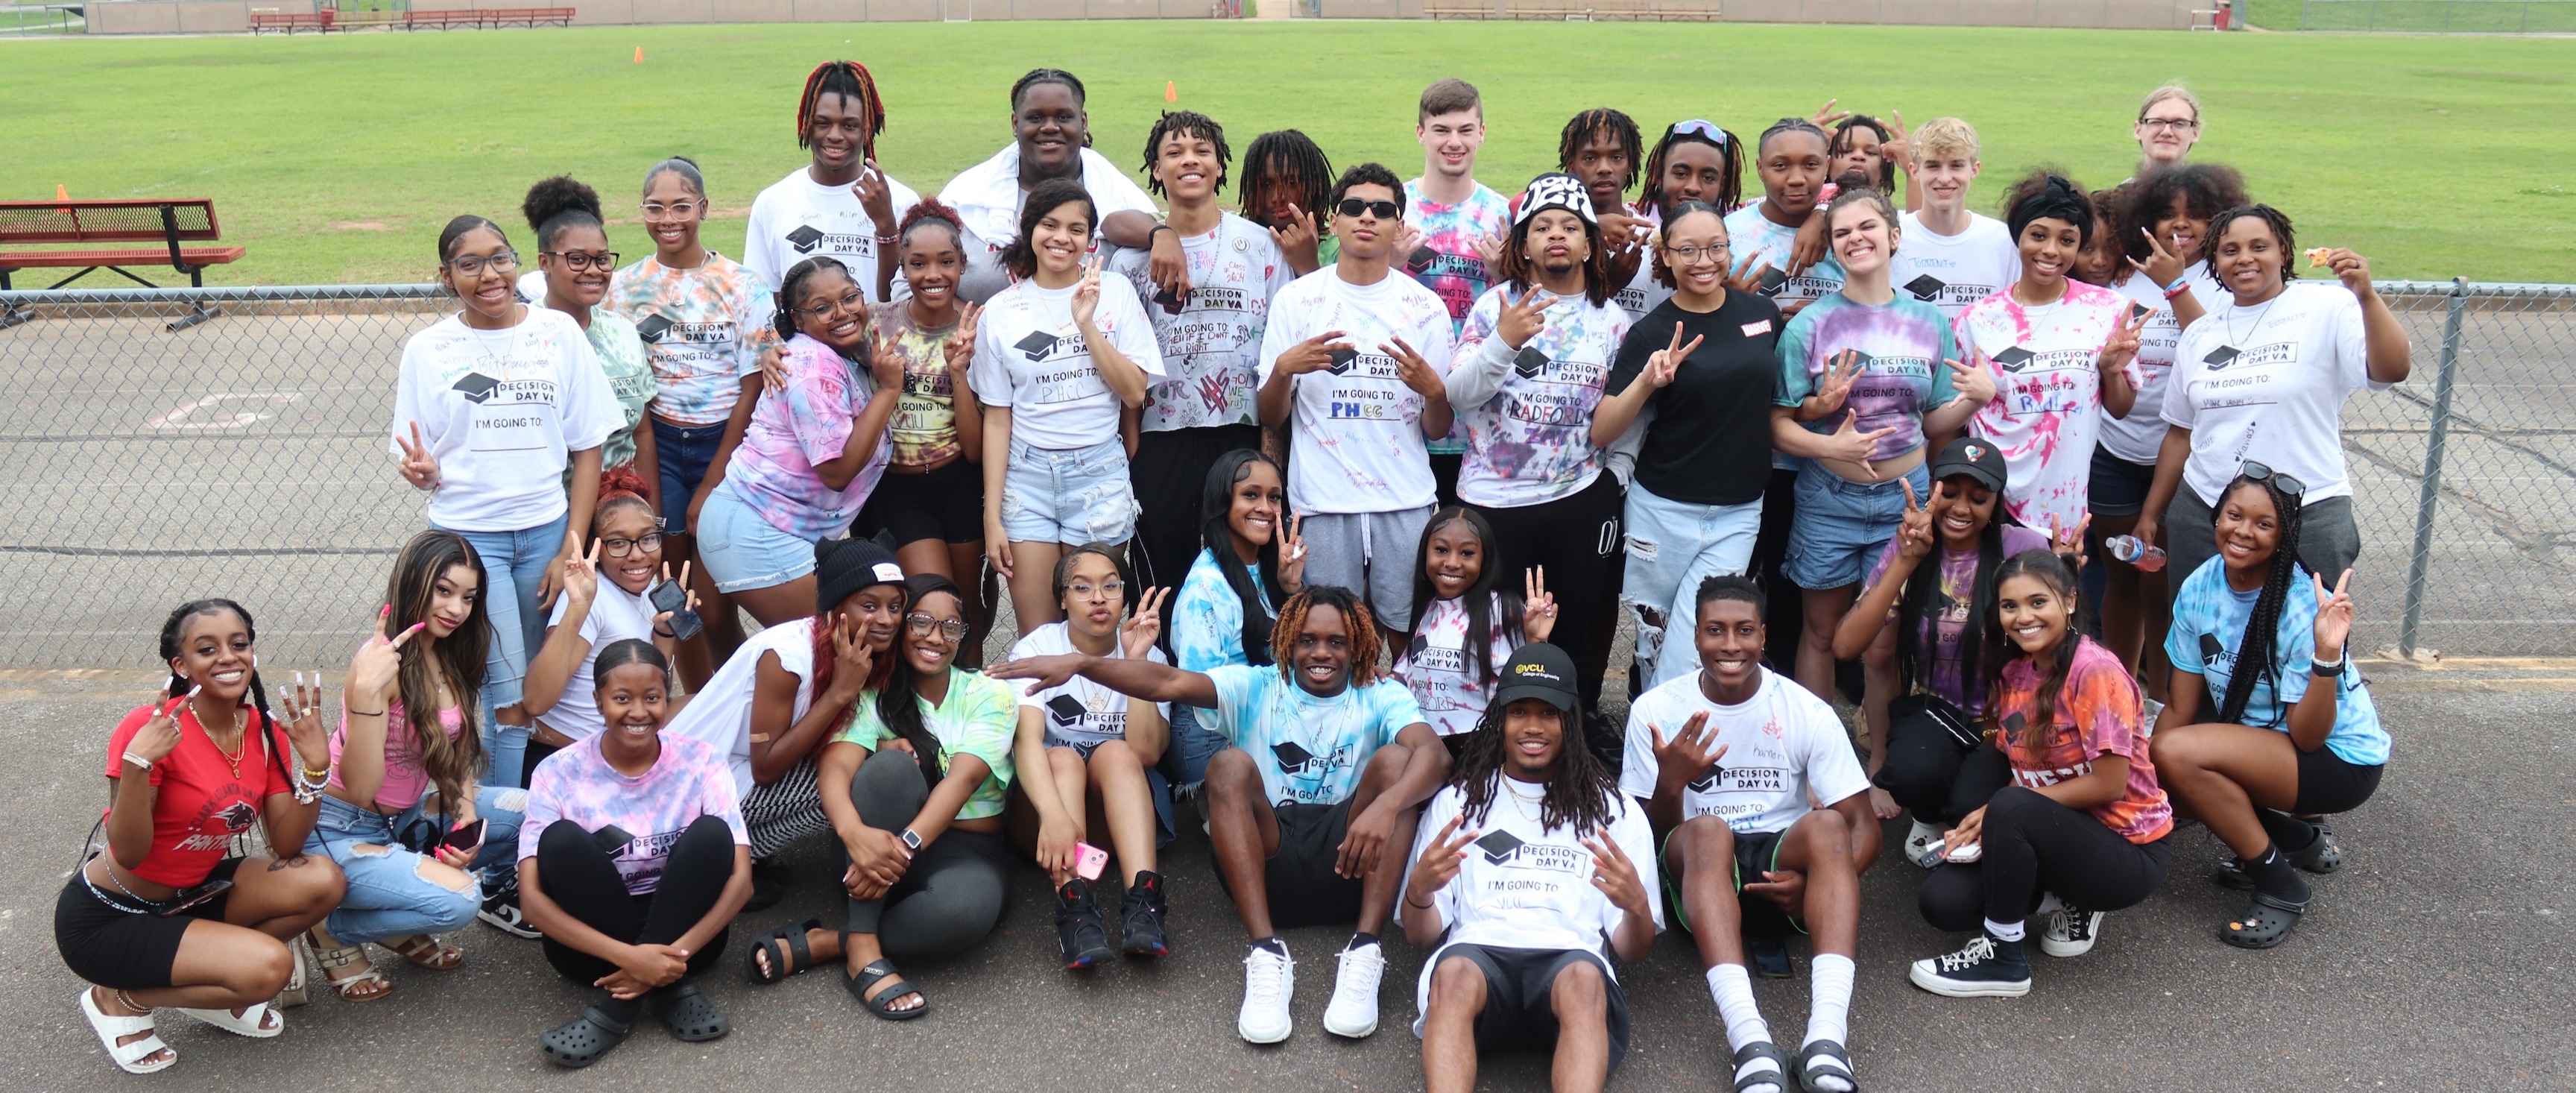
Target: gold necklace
column 241, row 739
column 1540, row 802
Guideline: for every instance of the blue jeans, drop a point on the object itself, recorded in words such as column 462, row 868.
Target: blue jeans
column 1185, row 759
column 1672, row 547
column 1078, row 495
column 742, row 550
column 387, row 895
column 514, row 567
column 1841, row 526
column 683, row 453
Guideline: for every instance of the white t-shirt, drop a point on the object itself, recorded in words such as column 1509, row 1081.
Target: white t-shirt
column 2048, row 394
column 1211, row 342
column 1030, row 356
column 615, row 615
column 720, row 713
column 797, row 218
column 1753, row 242
column 1524, row 885
column 2140, row 437
column 1441, row 670
column 1782, row 745
column 2268, row 383
column 987, row 196
column 1952, row 271
column 502, row 410
column 1643, row 292
column 1081, row 712
column 1357, row 443
column 1526, row 414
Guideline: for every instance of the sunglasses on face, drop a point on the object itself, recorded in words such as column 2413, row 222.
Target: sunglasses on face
column 2289, row 485
column 1383, row 210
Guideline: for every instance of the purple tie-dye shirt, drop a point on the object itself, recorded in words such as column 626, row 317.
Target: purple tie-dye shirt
column 794, row 429
column 576, row 785
column 1903, row 344
column 1448, row 262
column 2047, row 410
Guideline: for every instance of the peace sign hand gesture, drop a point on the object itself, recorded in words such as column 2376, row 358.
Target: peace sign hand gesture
column 885, row 364
column 1836, row 384
column 1914, row 530
column 1747, row 276
column 1897, row 149
column 581, row 582
column 2068, row 543
column 1086, row 293
column 1851, row 445
column 1686, row 754
column 1292, row 557
column 1538, row 608
column 419, row 467
column 373, row 668
column 1523, row 318
column 159, row 735
column 1416, row 372
column 1972, row 382
column 1439, row 863
column 1615, row 875
column 2334, row 616
column 2164, row 267
column 1826, row 116
column 960, row 349
column 1136, row 635
column 2123, row 345
column 665, row 636
column 1315, row 354
column 1663, row 364
column 875, row 197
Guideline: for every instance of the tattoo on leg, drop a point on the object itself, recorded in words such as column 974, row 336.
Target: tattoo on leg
column 296, row 862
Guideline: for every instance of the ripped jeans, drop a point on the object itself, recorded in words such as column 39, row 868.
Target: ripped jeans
column 388, row 897
column 1076, row 495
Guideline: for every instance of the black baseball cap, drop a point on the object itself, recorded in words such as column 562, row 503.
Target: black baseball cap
column 1538, row 670
column 1975, row 457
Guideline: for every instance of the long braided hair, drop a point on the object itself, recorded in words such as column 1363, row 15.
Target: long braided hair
column 1365, row 644
column 1216, row 502
column 2257, row 650
column 1601, row 119
column 1578, row 792
column 1730, row 150
column 2053, row 571
column 1844, row 138
column 1285, row 158
column 1922, row 601
column 1188, row 123
column 170, row 633
column 850, row 80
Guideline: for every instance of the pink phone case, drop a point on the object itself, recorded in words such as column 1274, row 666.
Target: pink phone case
column 1088, row 860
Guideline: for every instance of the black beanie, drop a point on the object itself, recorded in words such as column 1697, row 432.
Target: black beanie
column 844, row 566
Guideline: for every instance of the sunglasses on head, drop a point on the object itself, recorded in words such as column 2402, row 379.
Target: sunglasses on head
column 1383, row 210
column 2289, row 485
column 1698, row 127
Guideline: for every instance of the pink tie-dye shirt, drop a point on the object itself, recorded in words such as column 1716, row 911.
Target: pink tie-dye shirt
column 577, row 786
column 2047, row 410
column 792, row 430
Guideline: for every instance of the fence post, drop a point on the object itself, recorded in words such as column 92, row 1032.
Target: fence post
column 2420, row 564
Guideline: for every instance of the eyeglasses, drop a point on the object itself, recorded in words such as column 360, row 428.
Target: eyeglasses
column 849, row 301
column 2179, row 125
column 619, row 548
column 655, row 210
column 1105, row 589
column 1383, row 210
column 472, row 265
column 2289, row 485
column 1697, row 127
column 1692, row 256
column 578, row 261
column 923, row 626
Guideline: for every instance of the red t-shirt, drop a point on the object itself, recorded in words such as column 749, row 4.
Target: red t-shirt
column 201, row 805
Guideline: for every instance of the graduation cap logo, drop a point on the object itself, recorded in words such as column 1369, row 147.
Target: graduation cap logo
column 1342, row 359
column 1772, row 279
column 2221, row 357
column 1294, row 759
column 477, row 387
column 1413, row 649
column 1170, row 300
column 652, row 328
column 1499, row 847
column 2014, row 358
column 804, row 239
column 1066, row 710
column 1926, row 287
column 1529, row 361
column 1036, row 345
column 2015, row 722
column 2210, row 649
column 1709, row 780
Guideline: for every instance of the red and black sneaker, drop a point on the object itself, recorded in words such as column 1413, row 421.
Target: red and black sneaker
column 1078, row 927
column 1144, row 915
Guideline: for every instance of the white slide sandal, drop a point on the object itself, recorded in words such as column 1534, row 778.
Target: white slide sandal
column 258, row 1022
column 111, row 1028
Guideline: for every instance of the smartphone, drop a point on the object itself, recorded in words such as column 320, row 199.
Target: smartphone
column 611, row 839
column 1966, row 853
column 685, row 622
column 1171, row 301
column 1088, row 860
column 191, row 897
column 467, row 836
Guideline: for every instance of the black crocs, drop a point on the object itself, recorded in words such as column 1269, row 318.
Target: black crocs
column 1764, row 1049
column 691, row 1016
column 1828, row 1059
column 883, row 1004
column 2266, row 922
column 581, row 1041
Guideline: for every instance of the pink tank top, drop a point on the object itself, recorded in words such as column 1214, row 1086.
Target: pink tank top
column 405, row 781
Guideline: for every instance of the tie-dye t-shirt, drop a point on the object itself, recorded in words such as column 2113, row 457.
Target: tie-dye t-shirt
column 630, row 381
column 1526, row 413
column 1207, row 617
column 1939, row 638
column 703, row 329
column 1643, row 293
column 793, row 430
column 577, row 786
column 2099, row 712
column 1902, row 345
column 1211, row 341
column 1448, row 262
column 1310, row 748
column 1755, row 242
column 981, row 717
column 2048, row 396
column 925, row 417
column 2208, row 629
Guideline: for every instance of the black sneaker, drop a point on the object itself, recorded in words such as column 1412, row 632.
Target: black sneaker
column 1144, row 917
column 1078, row 927
column 768, row 885
column 501, row 910
column 1984, row 968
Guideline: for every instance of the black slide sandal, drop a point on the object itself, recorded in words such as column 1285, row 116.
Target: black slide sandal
column 1763, row 1049
column 779, row 943
column 691, row 1016
column 2266, row 923
column 1836, row 1064
column 581, row 1041
column 882, row 1004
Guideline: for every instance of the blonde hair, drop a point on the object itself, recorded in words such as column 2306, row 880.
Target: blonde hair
column 2174, row 91
column 1942, row 138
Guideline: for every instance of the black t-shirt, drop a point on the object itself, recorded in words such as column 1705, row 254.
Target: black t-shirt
column 1709, row 441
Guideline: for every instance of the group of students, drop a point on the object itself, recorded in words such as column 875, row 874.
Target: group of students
column 1321, row 513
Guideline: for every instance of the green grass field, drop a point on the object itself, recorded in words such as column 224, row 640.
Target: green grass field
column 336, row 159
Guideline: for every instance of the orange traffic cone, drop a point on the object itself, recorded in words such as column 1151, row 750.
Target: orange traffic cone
column 1171, row 92
column 639, row 55
column 61, row 193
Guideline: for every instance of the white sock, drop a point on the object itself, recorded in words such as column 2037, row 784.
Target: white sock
column 2004, row 932
column 1733, row 989
column 1829, row 1019
column 2049, row 904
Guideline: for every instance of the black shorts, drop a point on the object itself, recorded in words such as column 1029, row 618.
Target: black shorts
column 1169, row 477
column 945, row 505
column 122, row 950
column 1304, row 890
column 1519, row 1013
column 1756, row 853
column 2119, row 487
column 2328, row 784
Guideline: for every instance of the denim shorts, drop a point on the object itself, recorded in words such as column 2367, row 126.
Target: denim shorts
column 1074, row 495
column 740, row 550
column 2119, row 487
column 683, row 452
column 1672, row 547
column 387, row 896
column 1841, row 526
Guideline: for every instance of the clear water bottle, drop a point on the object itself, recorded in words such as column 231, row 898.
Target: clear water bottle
column 2129, row 549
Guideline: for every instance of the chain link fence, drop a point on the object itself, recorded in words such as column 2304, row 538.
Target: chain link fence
column 246, row 457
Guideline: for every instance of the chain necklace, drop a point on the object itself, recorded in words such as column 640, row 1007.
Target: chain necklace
column 241, row 739
column 1537, row 813
column 2228, row 324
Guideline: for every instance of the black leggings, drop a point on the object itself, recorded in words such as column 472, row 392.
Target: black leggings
column 2033, row 846
column 952, row 894
column 1577, row 539
column 1933, row 776
column 582, row 879
column 1787, row 620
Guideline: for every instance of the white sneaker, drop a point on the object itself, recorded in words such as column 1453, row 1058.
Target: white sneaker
column 2070, row 932
column 1268, row 979
column 1353, row 1010
column 1923, row 846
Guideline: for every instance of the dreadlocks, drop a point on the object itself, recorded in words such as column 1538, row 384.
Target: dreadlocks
column 2272, row 218
column 1288, row 159
column 1843, row 140
column 1730, row 189
column 1578, row 791
column 2256, row 650
column 850, row 80
column 1600, row 119
column 1188, row 123
column 1355, row 616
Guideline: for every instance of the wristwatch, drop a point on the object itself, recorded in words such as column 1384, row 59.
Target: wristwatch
column 911, row 839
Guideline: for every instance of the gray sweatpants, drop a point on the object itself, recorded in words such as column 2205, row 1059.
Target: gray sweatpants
column 952, row 895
